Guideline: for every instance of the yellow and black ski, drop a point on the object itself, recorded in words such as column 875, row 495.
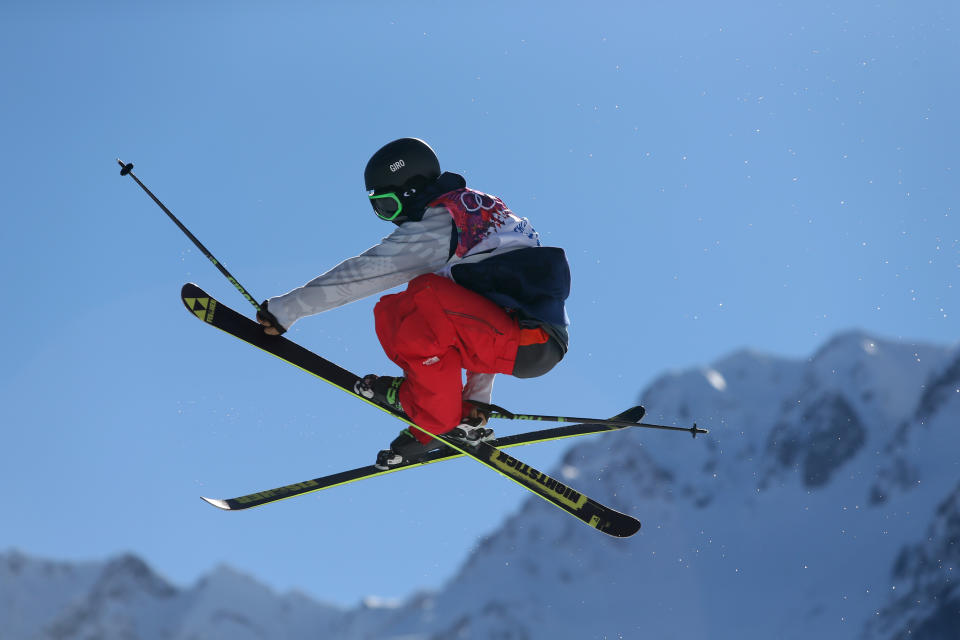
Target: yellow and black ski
column 362, row 473
column 582, row 507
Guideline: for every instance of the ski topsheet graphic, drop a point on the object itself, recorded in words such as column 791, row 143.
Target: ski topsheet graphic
column 582, row 507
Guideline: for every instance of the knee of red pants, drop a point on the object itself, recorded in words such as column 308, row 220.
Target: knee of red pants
column 412, row 325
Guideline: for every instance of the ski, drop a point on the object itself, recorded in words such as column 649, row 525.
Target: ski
column 362, row 473
column 580, row 506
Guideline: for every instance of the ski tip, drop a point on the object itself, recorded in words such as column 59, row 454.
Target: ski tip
column 189, row 288
column 219, row 504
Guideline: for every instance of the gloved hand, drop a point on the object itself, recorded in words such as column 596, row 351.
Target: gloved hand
column 269, row 321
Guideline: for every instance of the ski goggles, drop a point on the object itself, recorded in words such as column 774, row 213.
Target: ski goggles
column 387, row 206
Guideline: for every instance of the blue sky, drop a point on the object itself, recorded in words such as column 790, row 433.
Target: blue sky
column 754, row 175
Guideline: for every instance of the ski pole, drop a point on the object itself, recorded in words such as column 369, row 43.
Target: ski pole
column 127, row 170
column 494, row 411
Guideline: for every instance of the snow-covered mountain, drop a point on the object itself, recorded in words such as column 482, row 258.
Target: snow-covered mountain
column 824, row 503
column 124, row 598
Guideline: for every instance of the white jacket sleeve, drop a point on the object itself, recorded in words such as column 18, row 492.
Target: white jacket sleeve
column 413, row 249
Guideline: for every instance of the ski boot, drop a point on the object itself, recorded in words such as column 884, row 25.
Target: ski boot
column 404, row 449
column 383, row 390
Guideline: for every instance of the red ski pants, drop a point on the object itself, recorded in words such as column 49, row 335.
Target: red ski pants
column 433, row 331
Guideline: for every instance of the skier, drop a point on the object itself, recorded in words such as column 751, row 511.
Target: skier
column 483, row 296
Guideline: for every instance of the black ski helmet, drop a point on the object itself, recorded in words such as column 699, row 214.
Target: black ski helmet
column 402, row 163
